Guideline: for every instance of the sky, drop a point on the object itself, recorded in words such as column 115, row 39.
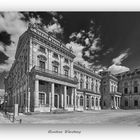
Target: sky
column 100, row 40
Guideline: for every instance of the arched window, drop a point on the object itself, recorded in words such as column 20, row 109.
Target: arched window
column 81, row 101
column 68, row 100
column 96, row 101
column 92, row 86
column 81, row 84
column 96, row 88
column 135, row 87
column 86, row 85
column 92, row 101
column 135, row 103
column 126, row 103
column 125, row 88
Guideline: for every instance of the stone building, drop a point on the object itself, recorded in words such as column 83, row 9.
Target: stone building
column 44, row 76
column 88, row 88
column 110, row 97
column 129, row 86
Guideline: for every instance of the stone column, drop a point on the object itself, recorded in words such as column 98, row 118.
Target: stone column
column 75, row 97
column 119, row 101
column 114, row 102
column 65, row 97
column 36, row 95
column 72, row 97
column 52, row 95
column 85, row 102
column 98, row 103
column 94, row 102
column 28, row 101
column 90, row 100
column 62, row 100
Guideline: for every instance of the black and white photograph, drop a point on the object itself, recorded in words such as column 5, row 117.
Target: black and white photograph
column 70, row 68
column 69, row 71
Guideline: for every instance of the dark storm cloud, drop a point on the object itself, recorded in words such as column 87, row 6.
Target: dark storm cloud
column 5, row 38
column 3, row 57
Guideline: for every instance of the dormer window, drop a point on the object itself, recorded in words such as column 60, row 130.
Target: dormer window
column 55, row 55
column 42, row 49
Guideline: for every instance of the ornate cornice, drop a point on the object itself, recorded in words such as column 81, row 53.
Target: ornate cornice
column 51, row 40
column 86, row 70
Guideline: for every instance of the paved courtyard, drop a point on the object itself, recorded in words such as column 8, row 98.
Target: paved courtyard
column 4, row 120
column 103, row 117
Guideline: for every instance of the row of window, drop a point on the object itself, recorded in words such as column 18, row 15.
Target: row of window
column 87, row 86
column 135, row 90
column 82, row 101
column 54, row 68
column 135, row 103
column 42, row 100
column 55, row 55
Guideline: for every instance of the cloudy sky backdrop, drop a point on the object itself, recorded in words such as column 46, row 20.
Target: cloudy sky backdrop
column 100, row 40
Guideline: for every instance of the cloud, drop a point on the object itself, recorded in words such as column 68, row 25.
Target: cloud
column 97, row 69
column 108, row 51
column 13, row 24
column 77, row 49
column 116, row 67
column 34, row 20
column 89, row 40
column 118, row 60
column 54, row 27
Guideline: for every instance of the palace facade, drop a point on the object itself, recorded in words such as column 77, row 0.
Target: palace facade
column 111, row 98
column 44, row 76
column 129, row 86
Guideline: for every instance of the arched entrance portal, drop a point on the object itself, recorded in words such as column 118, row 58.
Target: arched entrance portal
column 56, row 101
column 88, row 102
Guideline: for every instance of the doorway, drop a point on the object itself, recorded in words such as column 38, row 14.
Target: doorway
column 56, row 101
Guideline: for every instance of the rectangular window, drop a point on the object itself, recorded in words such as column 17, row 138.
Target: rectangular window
column 135, row 102
column 66, row 60
column 92, row 87
column 135, row 89
column 42, row 49
column 81, row 85
column 125, row 90
column 42, row 64
column 66, row 72
column 55, row 55
column 55, row 69
column 41, row 98
column 86, row 85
